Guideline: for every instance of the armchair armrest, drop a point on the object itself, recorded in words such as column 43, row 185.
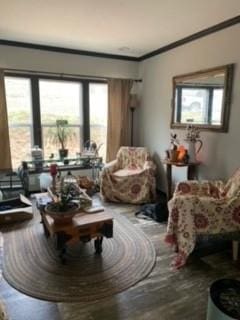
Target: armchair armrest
column 112, row 166
column 200, row 188
column 149, row 165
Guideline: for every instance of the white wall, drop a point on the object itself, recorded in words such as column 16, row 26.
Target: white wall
column 220, row 154
column 221, row 151
column 38, row 60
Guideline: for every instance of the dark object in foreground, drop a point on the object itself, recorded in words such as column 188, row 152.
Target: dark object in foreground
column 15, row 210
column 224, row 300
column 156, row 211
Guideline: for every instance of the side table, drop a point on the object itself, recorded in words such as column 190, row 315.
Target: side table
column 191, row 173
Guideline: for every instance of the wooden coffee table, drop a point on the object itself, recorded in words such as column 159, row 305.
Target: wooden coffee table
column 83, row 227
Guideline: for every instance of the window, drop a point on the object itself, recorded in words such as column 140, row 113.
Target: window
column 194, row 103
column 200, row 105
column 217, row 106
column 19, row 106
column 98, row 115
column 35, row 102
column 61, row 100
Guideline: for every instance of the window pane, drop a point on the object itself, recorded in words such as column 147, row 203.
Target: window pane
column 217, row 106
column 61, row 100
column 20, row 144
column 98, row 115
column 19, row 102
column 194, row 105
column 19, row 106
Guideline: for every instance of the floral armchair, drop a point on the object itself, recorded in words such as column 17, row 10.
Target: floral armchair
column 130, row 178
column 203, row 208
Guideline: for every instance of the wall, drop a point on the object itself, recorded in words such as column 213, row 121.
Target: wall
column 221, row 153
column 38, row 60
column 44, row 61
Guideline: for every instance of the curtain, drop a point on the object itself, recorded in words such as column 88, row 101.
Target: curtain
column 118, row 132
column 5, row 155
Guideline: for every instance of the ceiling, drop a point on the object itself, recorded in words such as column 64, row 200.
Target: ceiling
column 125, row 27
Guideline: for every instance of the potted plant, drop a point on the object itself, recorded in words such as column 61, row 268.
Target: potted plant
column 62, row 134
column 63, row 208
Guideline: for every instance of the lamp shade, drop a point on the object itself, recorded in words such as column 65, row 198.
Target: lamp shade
column 133, row 101
column 134, row 88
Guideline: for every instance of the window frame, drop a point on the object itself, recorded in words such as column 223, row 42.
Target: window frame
column 35, row 96
column 209, row 90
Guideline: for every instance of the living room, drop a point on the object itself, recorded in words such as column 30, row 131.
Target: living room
column 151, row 45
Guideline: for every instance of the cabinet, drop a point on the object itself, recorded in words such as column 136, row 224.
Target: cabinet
column 191, row 173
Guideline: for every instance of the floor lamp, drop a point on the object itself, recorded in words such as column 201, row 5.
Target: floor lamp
column 133, row 104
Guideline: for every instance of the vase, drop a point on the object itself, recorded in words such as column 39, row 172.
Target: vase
column 192, row 152
column 173, row 155
column 63, row 153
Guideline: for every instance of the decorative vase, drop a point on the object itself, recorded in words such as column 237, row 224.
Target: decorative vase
column 173, row 155
column 62, row 217
column 192, row 149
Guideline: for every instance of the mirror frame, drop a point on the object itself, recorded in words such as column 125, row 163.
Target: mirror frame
column 228, row 70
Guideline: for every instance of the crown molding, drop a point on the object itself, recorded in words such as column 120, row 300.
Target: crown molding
column 203, row 33
column 43, row 47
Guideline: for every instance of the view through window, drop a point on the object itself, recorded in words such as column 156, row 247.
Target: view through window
column 19, row 107
column 98, row 116
column 34, row 103
column 201, row 105
column 61, row 100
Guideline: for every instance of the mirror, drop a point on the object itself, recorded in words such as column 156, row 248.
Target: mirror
column 203, row 99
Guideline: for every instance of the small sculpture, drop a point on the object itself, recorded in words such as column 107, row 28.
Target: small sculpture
column 172, row 154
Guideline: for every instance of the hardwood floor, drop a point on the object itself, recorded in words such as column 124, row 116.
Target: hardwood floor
column 164, row 294
column 22, row 307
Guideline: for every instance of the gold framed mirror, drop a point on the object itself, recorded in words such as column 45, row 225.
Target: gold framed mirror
column 203, row 99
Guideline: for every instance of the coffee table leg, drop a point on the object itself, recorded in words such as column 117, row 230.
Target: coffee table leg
column 61, row 239
column 98, row 245
column 46, row 232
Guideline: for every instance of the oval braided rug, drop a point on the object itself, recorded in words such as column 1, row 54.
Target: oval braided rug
column 31, row 264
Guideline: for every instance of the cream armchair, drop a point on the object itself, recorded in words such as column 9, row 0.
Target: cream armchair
column 130, row 178
column 203, row 208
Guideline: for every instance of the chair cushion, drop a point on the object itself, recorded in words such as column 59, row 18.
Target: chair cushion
column 131, row 157
column 127, row 172
column 132, row 179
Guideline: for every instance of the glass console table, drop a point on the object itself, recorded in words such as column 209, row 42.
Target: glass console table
column 32, row 167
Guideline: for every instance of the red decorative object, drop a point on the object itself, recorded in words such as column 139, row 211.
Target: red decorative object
column 181, row 156
column 53, row 172
column 53, row 169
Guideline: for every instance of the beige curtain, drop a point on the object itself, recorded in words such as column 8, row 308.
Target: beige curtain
column 5, row 155
column 118, row 133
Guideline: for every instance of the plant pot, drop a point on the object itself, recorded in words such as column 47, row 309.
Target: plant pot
column 63, row 153
column 62, row 217
column 173, row 155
